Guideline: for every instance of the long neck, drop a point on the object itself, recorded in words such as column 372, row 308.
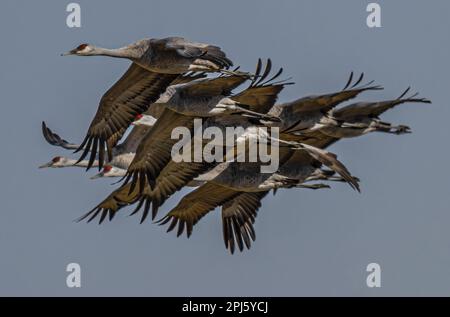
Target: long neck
column 83, row 163
column 123, row 52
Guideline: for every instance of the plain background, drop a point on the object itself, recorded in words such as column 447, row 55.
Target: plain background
column 308, row 243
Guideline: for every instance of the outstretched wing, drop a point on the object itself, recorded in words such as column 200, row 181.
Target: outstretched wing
column 196, row 87
column 374, row 109
column 218, row 86
column 239, row 214
column 118, row 199
column 189, row 49
column 154, row 151
column 129, row 96
column 315, row 138
column 330, row 160
column 54, row 139
column 326, row 102
column 172, row 178
column 238, row 217
column 195, row 205
column 263, row 92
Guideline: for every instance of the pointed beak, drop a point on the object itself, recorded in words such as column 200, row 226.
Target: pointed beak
column 49, row 164
column 71, row 52
column 99, row 175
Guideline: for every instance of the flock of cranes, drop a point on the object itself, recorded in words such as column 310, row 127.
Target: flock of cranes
column 168, row 85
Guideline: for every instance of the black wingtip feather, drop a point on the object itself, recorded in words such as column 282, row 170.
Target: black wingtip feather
column 359, row 80
column 349, row 81
column 146, row 210
column 172, row 224
column 138, row 207
column 266, row 72
column 86, row 150
column 93, row 155
column 103, row 216
column 404, row 93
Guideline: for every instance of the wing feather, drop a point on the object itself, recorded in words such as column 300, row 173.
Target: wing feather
column 327, row 102
column 118, row 199
column 131, row 95
column 221, row 85
column 172, row 178
column 262, row 94
column 54, row 139
column 195, row 205
column 372, row 109
column 240, row 214
column 154, row 152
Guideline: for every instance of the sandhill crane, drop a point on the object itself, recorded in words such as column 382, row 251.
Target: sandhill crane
column 306, row 106
column 240, row 187
column 259, row 95
column 123, row 152
column 110, row 171
column 201, row 98
column 162, row 89
column 153, row 200
column 239, row 213
column 61, row 161
column 363, row 117
column 113, row 171
column 147, row 120
column 311, row 112
column 156, row 64
column 120, row 170
column 291, row 174
column 171, row 55
column 123, row 196
column 144, row 119
column 240, row 177
column 168, row 182
column 233, row 210
column 128, row 146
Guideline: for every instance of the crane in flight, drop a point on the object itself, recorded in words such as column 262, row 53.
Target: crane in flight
column 168, row 85
column 156, row 63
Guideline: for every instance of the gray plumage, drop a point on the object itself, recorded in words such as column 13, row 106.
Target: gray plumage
column 363, row 117
column 156, row 64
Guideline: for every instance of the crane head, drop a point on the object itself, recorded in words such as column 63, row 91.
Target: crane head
column 106, row 172
column 144, row 119
column 81, row 50
column 57, row 161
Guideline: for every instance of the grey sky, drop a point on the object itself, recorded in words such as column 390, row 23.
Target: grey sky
column 308, row 243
